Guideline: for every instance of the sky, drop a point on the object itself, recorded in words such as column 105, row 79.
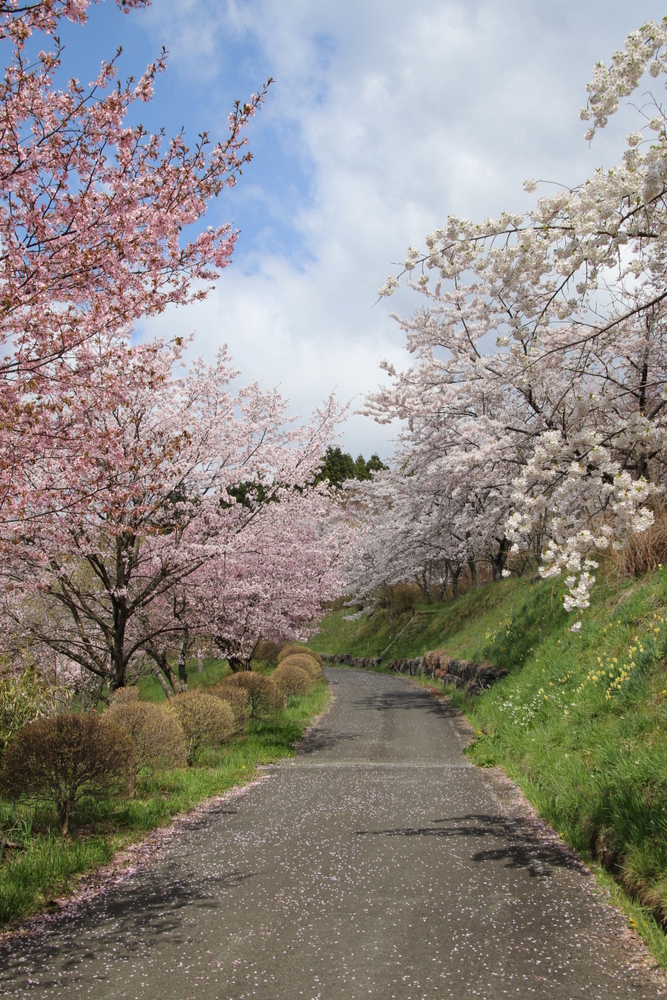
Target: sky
column 383, row 118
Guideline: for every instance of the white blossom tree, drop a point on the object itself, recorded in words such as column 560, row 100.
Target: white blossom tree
column 558, row 433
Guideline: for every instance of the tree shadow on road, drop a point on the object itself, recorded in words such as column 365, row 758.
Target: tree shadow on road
column 409, row 700
column 131, row 918
column 323, row 738
column 523, row 845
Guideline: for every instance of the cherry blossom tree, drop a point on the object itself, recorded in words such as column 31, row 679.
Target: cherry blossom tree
column 552, row 441
column 267, row 580
column 92, row 216
column 151, row 519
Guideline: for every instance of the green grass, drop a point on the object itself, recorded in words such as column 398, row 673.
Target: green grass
column 213, row 670
column 50, row 866
column 584, row 739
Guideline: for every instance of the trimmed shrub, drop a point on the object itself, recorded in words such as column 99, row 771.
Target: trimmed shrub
column 237, row 699
column 291, row 679
column 296, row 649
column 158, row 735
column 304, row 662
column 266, row 652
column 124, row 695
column 63, row 757
column 292, row 647
column 206, row 720
column 264, row 698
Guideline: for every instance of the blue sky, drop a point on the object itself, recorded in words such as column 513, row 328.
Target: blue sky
column 384, row 117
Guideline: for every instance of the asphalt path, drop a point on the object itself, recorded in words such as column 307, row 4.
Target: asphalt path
column 378, row 863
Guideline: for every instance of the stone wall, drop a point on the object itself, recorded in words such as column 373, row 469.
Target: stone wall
column 475, row 677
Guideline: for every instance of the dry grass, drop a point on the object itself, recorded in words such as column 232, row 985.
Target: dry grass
column 647, row 550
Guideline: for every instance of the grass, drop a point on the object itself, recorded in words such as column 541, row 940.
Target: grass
column 580, row 721
column 50, row 866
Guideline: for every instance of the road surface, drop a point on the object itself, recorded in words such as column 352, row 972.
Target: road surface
column 378, row 863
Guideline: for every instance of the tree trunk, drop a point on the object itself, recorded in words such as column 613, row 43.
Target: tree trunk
column 63, row 816
column 169, row 681
column 237, row 664
column 472, row 566
column 162, row 680
column 500, row 558
column 182, row 661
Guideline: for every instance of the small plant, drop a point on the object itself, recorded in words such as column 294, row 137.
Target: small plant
column 237, row 699
column 22, row 700
column 304, row 662
column 266, row 652
column 61, row 758
column 206, row 720
column 158, row 735
column 124, row 695
column 291, row 679
column 293, row 647
column 264, row 698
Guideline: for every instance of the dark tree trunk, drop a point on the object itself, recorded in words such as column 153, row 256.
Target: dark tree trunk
column 168, row 680
column 237, row 663
column 500, row 558
column 182, row 661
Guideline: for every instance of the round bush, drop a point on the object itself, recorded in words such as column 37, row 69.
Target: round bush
column 63, row 757
column 264, row 698
column 293, row 647
column 291, row 679
column 304, row 662
column 158, row 735
column 206, row 720
column 124, row 695
column 266, row 652
column 237, row 699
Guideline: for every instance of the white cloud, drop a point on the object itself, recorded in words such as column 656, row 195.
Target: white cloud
column 390, row 117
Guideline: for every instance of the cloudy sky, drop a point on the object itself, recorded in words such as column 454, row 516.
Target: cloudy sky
column 384, row 117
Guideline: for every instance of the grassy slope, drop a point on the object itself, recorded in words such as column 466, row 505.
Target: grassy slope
column 50, row 866
column 584, row 738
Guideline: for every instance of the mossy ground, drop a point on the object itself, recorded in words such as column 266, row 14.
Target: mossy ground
column 50, row 866
column 580, row 721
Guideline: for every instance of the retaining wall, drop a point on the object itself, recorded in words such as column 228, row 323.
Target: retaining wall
column 475, row 677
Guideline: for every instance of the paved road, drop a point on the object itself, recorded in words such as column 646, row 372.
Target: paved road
column 378, row 864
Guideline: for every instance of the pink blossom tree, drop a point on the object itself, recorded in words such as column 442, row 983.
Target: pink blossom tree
column 92, row 216
column 150, row 519
column 269, row 579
